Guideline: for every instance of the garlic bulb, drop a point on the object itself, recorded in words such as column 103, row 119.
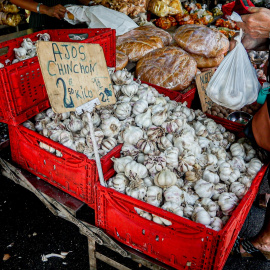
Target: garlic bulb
column 171, row 155
column 238, row 163
column 200, row 129
column 47, row 147
column 148, row 181
column 173, row 194
column 75, row 124
column 165, row 179
column 134, row 170
column 155, row 164
column 28, row 124
column 130, row 89
column 210, row 176
column 227, row 202
column 216, row 224
column 219, row 189
column 129, row 150
column 188, row 210
column 132, row 135
column 140, row 158
column 110, row 126
column 136, row 189
column 154, row 133
column 161, row 221
column 147, row 146
column 250, row 152
column 20, row 53
column 80, row 145
column 201, row 216
column 108, row 144
column 99, row 135
column 123, row 111
column 144, row 120
column 159, row 114
column 153, row 196
column 121, row 77
column 120, row 163
column 254, row 166
column 245, row 179
column 140, row 107
column 50, row 113
column 148, row 96
column 204, row 189
column 119, row 182
column 238, row 189
column 163, row 143
column 237, row 149
column 173, row 208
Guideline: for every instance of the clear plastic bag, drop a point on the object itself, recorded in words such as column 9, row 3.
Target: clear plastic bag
column 235, row 83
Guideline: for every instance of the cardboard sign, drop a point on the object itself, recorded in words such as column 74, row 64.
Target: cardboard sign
column 202, row 81
column 74, row 73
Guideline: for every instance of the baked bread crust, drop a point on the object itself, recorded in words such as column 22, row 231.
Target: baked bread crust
column 169, row 67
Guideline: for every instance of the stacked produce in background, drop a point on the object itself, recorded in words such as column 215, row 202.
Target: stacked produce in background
column 9, row 14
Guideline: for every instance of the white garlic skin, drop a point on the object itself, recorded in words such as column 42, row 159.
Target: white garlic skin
column 140, row 107
column 110, row 126
column 165, row 179
column 134, row 170
column 132, row 135
column 153, row 196
column 173, row 194
column 144, row 120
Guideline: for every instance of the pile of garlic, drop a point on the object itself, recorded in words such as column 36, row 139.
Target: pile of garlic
column 178, row 159
column 27, row 50
column 172, row 157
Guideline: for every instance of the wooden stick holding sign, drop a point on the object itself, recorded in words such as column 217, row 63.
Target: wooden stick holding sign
column 76, row 79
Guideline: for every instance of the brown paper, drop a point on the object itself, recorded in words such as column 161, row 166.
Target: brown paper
column 202, row 81
column 74, row 74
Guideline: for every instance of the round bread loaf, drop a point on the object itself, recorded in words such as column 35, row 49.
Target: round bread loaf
column 121, row 60
column 201, row 40
column 205, row 62
column 142, row 40
column 169, row 67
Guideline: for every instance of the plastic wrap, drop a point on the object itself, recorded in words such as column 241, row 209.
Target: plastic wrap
column 201, row 40
column 121, row 60
column 205, row 62
column 7, row 7
column 142, row 40
column 169, row 67
column 164, row 8
column 10, row 19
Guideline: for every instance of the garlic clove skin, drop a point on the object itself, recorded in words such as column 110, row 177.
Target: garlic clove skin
column 201, row 216
column 227, row 202
column 147, row 146
column 173, row 208
column 254, row 166
column 237, row 149
column 119, row 182
column 204, row 189
column 130, row 89
column 108, row 144
column 140, row 158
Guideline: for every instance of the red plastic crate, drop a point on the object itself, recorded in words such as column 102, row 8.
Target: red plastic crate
column 183, row 245
column 176, row 95
column 22, row 89
column 73, row 173
column 227, row 9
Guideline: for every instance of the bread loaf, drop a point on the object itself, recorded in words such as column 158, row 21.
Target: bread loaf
column 142, row 40
column 169, row 67
column 121, row 60
column 201, row 40
column 204, row 62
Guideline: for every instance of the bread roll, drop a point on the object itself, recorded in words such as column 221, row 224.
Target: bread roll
column 169, row 67
column 152, row 30
column 137, row 43
column 121, row 60
column 201, row 40
column 204, row 62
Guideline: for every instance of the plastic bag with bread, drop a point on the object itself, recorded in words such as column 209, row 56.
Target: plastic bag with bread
column 169, row 67
column 142, row 40
column 163, row 8
column 201, row 40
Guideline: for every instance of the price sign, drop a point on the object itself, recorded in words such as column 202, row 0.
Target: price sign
column 202, row 81
column 74, row 73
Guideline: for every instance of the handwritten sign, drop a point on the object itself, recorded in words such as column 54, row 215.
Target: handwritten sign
column 202, row 81
column 74, row 73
